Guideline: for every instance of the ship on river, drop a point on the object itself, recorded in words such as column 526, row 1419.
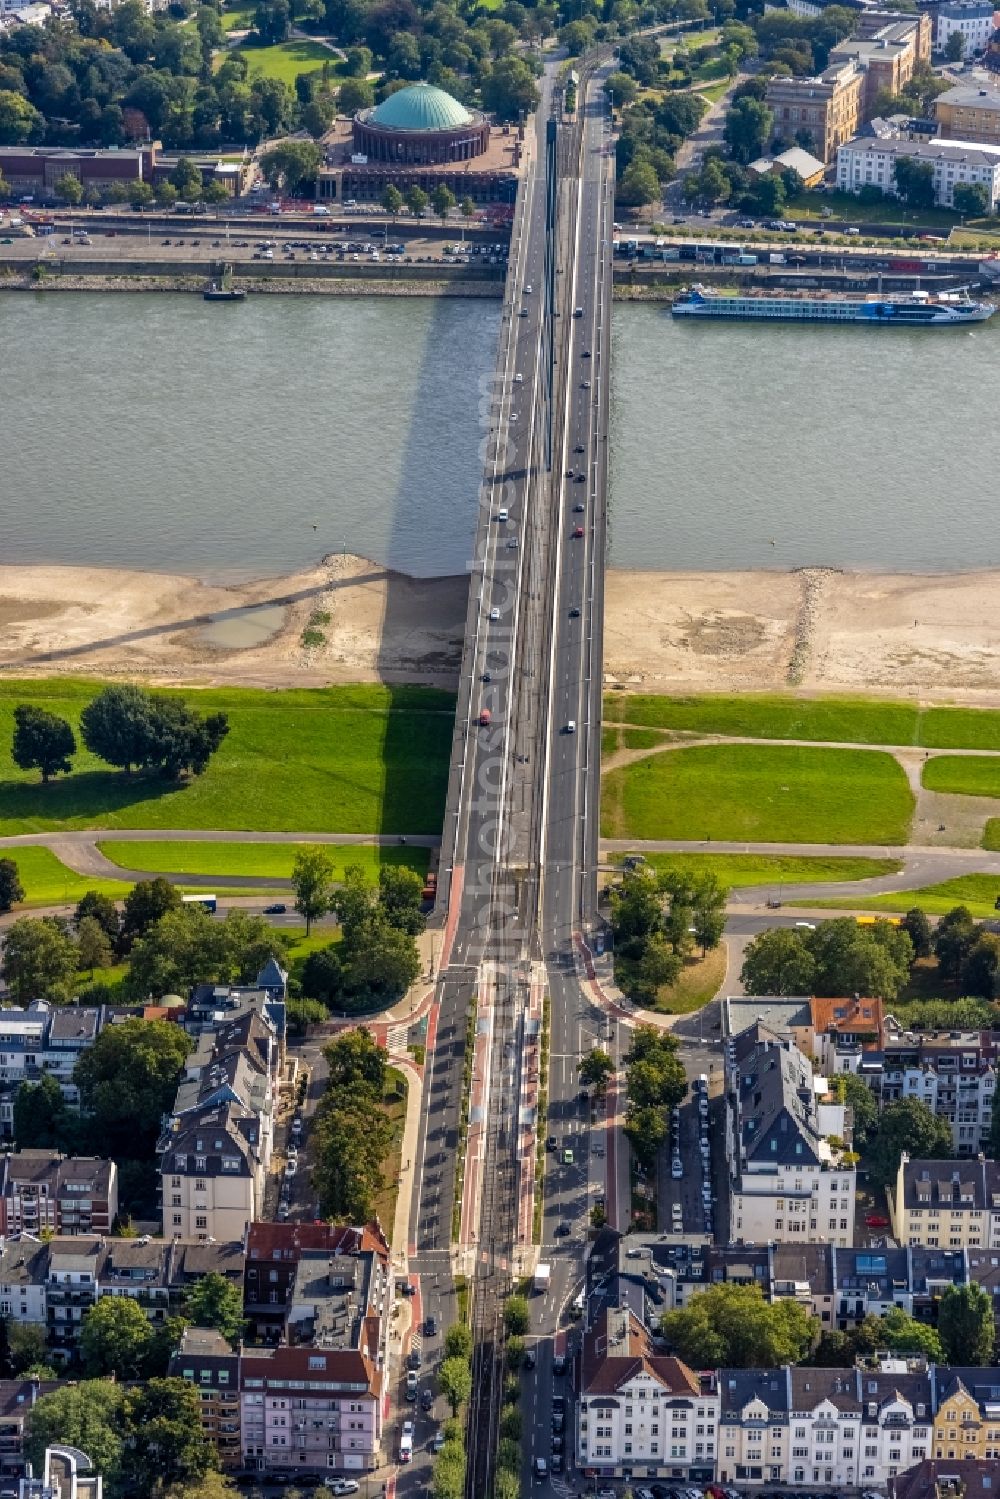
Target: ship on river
column 914, row 309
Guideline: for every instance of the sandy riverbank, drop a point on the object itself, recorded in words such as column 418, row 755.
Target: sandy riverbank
column 820, row 630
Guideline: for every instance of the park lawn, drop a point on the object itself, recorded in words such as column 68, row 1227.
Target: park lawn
column 890, row 211
column 238, row 17
column 700, row 981
column 394, row 1107
column 968, row 775
column 268, row 860
column 713, row 92
column 760, row 793
column 960, row 728
column 287, row 60
column 336, row 759
column 977, row 891
column 991, row 833
column 770, row 716
column 735, row 870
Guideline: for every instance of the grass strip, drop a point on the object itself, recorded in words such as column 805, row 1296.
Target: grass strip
column 736, row 870
column 761, row 794
column 541, row 1122
column 979, row 892
column 266, row 860
column 463, row 1116
column 969, row 775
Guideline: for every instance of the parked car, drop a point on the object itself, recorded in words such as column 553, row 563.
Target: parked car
column 279, row 910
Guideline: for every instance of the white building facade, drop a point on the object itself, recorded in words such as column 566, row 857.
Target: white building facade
column 973, row 21
column 869, row 162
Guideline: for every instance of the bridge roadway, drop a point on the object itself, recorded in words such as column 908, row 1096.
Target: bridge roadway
column 519, row 850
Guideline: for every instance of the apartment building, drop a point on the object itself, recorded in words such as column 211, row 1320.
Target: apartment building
column 871, row 162
column 872, row 23
column 44, row 1190
column 967, row 113
column 310, row 1411
column 17, row 1400
column 947, row 1204
column 819, row 113
column 71, row 1289
column 216, row 1147
column 791, row 1174
column 206, row 1360
column 952, row 1072
column 843, row 1427
column 967, row 1414
column 642, row 1414
column 325, row 1284
column 837, row 1033
column 972, row 19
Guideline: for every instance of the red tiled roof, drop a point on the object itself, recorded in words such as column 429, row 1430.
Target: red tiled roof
column 293, row 1238
column 607, row 1366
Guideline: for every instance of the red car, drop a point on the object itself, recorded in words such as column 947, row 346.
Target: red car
column 577, row 532
column 876, row 1220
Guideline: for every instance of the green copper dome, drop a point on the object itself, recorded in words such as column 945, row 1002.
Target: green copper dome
column 420, row 106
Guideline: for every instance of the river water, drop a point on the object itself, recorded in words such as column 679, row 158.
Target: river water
column 231, row 441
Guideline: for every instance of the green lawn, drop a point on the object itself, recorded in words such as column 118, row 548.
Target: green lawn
column 760, row 793
column 737, row 870
column 784, row 716
column 714, row 91
column 969, row 775
column 48, row 881
column 238, row 17
column 977, row 891
column 889, row 212
column 338, row 759
column 269, row 860
column 771, row 716
column 286, row 60
column 991, row 833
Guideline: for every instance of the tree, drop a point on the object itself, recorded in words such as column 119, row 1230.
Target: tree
column 355, row 94
column 392, row 200
column 458, row 1341
column 455, row 1381
column 209, row 1486
column 965, row 1325
column 102, row 909
column 86, row 1415
column 970, row 199
column 416, row 201
column 39, row 960
column 41, row 1116
column 918, row 928
column 516, row 1316
column 904, row 1334
column 213, row 1301
column 954, row 47
column 981, row 969
column 28, row 1345
column 638, row 184
column 115, row 725
column 68, row 187
column 595, row 1070
column 188, row 947
column 732, row 1325
column 748, row 128
column 292, row 167
column 186, row 179
column 508, row 90
column 443, row 200
column 467, row 207
column 42, row 740
column 906, row 1125
column 915, row 181
column 166, row 1442
column 859, row 960
column 622, row 89
column 322, row 977
column 272, row 19
column 166, row 194
column 861, row 1100
column 114, row 1338
column 93, row 947
column 20, row 122
column 636, row 906
column 145, row 904
column 400, row 892
column 302, row 1013
column 180, row 741
column 953, row 941
column 312, row 877
column 11, row 889
column 777, row 962
column 128, row 1080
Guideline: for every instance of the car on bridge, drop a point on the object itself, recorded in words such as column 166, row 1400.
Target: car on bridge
column 577, row 532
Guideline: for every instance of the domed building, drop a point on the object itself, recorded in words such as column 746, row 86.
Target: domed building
column 420, row 125
column 420, row 136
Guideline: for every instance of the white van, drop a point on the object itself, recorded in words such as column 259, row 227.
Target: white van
column 503, row 513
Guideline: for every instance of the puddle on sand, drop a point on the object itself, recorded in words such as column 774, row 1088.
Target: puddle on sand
column 248, row 627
